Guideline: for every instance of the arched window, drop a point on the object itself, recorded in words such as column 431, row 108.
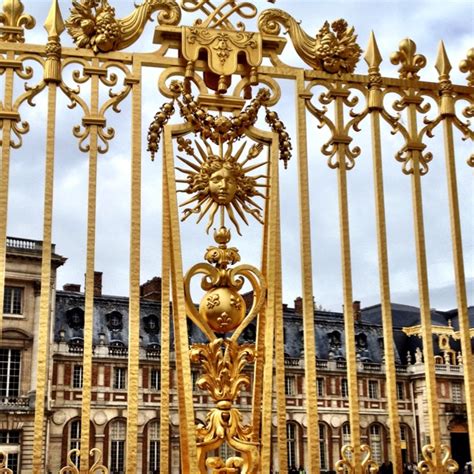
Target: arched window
column 292, row 442
column 154, row 447
column 323, row 446
column 75, row 439
column 375, row 440
column 117, row 437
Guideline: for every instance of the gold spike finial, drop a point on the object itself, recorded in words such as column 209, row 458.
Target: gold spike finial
column 54, row 24
column 372, row 56
column 467, row 65
column 443, row 66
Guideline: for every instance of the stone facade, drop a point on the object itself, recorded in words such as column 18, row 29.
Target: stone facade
column 109, row 393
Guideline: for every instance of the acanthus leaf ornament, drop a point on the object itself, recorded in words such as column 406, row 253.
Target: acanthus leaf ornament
column 334, row 48
column 93, row 24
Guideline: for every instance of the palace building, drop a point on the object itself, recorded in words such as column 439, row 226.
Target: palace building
column 109, row 375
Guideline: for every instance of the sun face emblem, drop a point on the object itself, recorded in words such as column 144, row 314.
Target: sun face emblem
column 221, row 182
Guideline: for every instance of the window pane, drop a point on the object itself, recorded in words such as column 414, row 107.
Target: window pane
column 13, row 300
column 9, row 372
column 77, row 376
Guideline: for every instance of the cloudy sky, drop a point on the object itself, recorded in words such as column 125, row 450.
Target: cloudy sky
column 426, row 22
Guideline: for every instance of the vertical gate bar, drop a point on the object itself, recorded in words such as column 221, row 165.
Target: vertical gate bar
column 46, row 285
column 354, row 418
column 5, row 176
column 260, row 334
column 89, row 290
column 134, row 301
column 278, row 316
column 456, row 237
column 183, row 365
column 425, row 313
column 165, row 332
column 375, row 105
column 387, row 322
column 314, row 456
column 267, row 403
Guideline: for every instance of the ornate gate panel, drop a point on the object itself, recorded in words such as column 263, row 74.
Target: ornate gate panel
column 222, row 143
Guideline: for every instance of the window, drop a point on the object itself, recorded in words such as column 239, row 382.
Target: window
column 291, row 442
column 323, row 447
column 75, row 439
column 400, row 391
column 9, row 372
column 13, row 300
column 117, row 447
column 154, row 448
column 10, row 446
column 346, row 434
column 376, row 443
column 456, row 392
column 290, row 384
column 320, row 387
column 120, row 375
column 373, row 389
column 155, row 380
column 77, row 376
column 344, row 388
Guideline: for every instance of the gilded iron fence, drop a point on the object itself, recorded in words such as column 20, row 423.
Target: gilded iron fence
column 215, row 171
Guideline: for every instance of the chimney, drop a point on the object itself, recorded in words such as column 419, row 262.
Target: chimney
column 97, row 283
column 299, row 305
column 72, row 287
column 151, row 290
column 356, row 310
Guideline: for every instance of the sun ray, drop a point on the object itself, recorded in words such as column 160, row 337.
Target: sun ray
column 231, row 214
column 201, row 150
column 239, row 152
column 185, row 171
column 189, row 163
column 206, row 208
column 240, row 211
column 211, row 216
column 253, row 167
column 195, row 198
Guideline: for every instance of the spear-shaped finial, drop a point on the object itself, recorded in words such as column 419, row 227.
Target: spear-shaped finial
column 442, row 65
column 372, row 56
column 54, row 24
column 467, row 65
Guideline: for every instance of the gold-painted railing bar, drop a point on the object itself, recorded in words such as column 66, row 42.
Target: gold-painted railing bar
column 89, row 279
column 218, row 167
column 52, row 76
column 375, row 107
column 314, row 455
column 449, row 120
column 134, row 302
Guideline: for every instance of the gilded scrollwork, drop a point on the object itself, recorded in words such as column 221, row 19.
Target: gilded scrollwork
column 223, row 362
column 410, row 62
column 334, row 49
column 14, row 21
column 428, row 464
column 467, row 66
column 72, row 462
column 345, row 464
column 93, row 24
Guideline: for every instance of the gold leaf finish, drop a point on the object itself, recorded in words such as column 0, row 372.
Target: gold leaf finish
column 93, row 25
column 410, row 62
column 14, row 22
column 467, row 66
column 333, row 49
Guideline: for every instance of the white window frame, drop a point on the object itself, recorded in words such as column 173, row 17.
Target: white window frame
column 153, row 461
column 74, row 439
column 77, row 376
column 155, row 379
column 117, row 439
column 9, row 376
column 373, row 389
column 292, row 444
column 10, row 289
column 344, row 388
column 120, row 378
column 320, row 385
column 457, row 392
column 323, row 446
column 290, row 385
column 375, row 440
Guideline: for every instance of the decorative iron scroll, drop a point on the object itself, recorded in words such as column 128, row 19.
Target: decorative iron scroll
column 428, row 464
column 333, row 49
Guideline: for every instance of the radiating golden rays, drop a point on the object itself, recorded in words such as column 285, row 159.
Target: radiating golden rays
column 220, row 184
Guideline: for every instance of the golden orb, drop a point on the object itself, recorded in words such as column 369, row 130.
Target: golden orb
column 223, row 309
